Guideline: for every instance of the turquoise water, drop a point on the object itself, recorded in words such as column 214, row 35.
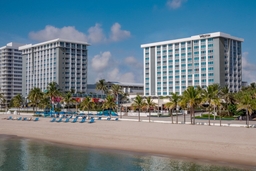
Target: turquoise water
column 28, row 155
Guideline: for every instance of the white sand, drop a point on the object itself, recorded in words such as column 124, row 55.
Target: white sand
column 219, row 144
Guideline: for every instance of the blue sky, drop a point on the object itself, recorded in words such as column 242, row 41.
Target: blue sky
column 116, row 28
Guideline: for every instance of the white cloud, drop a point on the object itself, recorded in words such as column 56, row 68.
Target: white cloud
column 117, row 34
column 249, row 72
column 101, row 62
column 174, row 4
column 116, row 75
column 104, row 66
column 95, row 34
column 51, row 32
column 132, row 61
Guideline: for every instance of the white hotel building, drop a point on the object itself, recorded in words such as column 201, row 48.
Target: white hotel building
column 58, row 60
column 201, row 60
column 10, row 71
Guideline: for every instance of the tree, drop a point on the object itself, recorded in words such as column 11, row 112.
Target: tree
column 2, row 99
column 149, row 103
column 116, row 91
column 87, row 104
column 138, row 103
column 18, row 101
column 44, row 103
column 172, row 104
column 68, row 99
column 102, row 86
column 210, row 98
column 52, row 91
column 35, row 95
column 193, row 97
column 109, row 103
column 184, row 105
column 227, row 97
column 246, row 102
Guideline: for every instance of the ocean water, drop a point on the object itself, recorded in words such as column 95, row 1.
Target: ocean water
column 18, row 154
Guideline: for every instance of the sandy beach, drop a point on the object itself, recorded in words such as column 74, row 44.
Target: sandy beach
column 218, row 144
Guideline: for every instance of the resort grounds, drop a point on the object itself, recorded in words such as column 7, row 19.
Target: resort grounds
column 222, row 145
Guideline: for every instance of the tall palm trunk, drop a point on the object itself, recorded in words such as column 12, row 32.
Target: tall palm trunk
column 247, row 118
column 172, row 115
column 220, row 117
column 194, row 117
column 139, row 115
column 176, row 117
column 191, row 115
column 149, row 115
column 209, row 118
column 184, row 117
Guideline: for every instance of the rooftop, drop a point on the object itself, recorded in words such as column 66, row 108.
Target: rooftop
column 52, row 41
column 196, row 37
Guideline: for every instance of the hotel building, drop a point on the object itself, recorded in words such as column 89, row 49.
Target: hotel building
column 10, row 71
column 58, row 60
column 201, row 60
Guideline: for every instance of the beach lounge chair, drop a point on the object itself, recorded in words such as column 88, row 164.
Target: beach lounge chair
column 24, row 119
column 108, row 119
column 59, row 120
column 53, row 120
column 91, row 121
column 9, row 118
column 116, row 119
column 29, row 119
column 74, row 121
column 99, row 118
column 19, row 119
column 67, row 120
column 36, row 119
column 83, row 120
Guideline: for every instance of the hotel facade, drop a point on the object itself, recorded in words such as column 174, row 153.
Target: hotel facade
column 10, row 71
column 58, row 60
column 200, row 60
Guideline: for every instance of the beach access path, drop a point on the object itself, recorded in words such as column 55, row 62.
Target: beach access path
column 235, row 145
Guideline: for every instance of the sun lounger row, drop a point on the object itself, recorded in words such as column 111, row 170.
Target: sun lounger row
column 73, row 121
column 22, row 118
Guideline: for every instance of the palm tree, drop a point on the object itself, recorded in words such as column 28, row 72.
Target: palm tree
column 116, row 91
column 87, row 103
column 138, row 103
column 18, row 101
column 184, row 105
column 149, row 103
column 247, row 103
column 2, row 99
column 109, row 103
column 102, row 86
column 35, row 95
column 44, row 103
column 227, row 97
column 210, row 97
column 68, row 99
column 174, row 99
column 193, row 97
column 52, row 91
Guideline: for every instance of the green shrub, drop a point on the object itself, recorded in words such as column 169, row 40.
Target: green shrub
column 207, row 115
